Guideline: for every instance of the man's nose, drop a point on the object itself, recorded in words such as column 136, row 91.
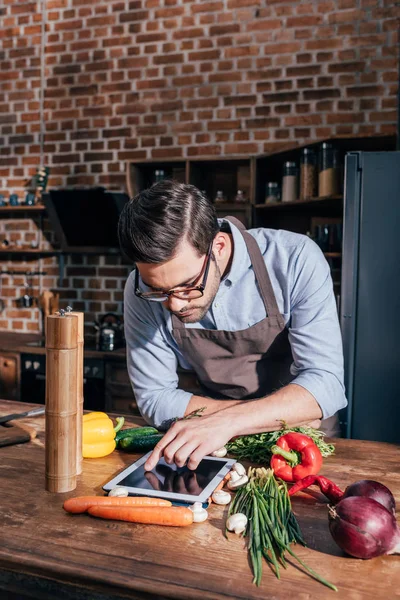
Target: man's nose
column 175, row 304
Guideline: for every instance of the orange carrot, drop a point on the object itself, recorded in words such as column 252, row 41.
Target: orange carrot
column 175, row 516
column 81, row 504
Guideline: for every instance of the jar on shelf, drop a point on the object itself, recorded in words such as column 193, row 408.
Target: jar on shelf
column 308, row 174
column 329, row 172
column 272, row 192
column 289, row 182
column 219, row 197
column 240, row 198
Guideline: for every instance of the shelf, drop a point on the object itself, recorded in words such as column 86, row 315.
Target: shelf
column 31, row 251
column 306, row 203
column 333, row 254
column 232, row 206
column 37, row 208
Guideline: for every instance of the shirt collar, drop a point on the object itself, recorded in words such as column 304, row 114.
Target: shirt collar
column 241, row 260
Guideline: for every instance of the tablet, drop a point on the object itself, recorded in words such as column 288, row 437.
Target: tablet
column 178, row 484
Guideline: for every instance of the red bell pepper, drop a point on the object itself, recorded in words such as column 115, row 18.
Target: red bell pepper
column 327, row 487
column 285, row 463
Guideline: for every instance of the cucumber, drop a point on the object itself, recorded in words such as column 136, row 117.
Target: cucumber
column 140, row 444
column 134, row 432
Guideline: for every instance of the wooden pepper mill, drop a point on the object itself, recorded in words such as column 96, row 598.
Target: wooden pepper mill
column 61, row 402
column 79, row 381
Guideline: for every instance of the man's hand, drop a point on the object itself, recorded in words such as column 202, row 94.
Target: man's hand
column 191, row 440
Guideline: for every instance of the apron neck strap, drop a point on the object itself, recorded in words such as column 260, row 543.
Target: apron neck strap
column 260, row 270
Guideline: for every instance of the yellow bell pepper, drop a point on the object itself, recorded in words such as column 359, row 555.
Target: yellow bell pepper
column 98, row 434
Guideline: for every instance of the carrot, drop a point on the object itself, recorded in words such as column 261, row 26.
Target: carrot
column 81, row 504
column 175, row 516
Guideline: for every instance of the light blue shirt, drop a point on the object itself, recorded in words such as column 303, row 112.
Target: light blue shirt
column 303, row 288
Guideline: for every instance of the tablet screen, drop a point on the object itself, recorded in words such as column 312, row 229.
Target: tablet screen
column 170, row 478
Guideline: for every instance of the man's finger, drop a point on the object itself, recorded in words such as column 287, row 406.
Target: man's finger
column 158, row 450
column 196, row 457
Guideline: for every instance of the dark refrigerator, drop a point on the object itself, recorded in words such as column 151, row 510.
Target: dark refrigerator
column 370, row 296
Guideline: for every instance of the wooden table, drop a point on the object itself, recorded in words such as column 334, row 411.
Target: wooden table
column 47, row 553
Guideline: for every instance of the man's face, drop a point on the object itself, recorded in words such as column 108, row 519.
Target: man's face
column 184, row 268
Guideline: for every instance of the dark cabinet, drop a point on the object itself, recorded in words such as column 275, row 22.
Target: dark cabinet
column 9, row 376
column 118, row 390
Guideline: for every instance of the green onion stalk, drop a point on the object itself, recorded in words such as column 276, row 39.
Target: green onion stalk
column 271, row 525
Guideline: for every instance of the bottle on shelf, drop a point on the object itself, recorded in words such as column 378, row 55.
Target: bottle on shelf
column 308, row 174
column 289, row 182
column 159, row 175
column 328, row 178
column 219, row 198
column 240, row 198
column 272, row 192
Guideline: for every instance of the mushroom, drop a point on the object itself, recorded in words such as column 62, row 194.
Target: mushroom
column 220, row 453
column 237, row 481
column 237, row 523
column 199, row 513
column 119, row 491
column 239, row 468
column 221, row 497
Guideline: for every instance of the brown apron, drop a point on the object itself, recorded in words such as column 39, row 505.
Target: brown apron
column 246, row 364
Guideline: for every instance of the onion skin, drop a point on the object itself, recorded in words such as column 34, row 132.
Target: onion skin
column 364, row 528
column 372, row 489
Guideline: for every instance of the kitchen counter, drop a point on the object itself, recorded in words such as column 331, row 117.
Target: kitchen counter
column 48, row 553
column 19, row 342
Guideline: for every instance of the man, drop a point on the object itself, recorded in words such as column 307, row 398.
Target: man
column 253, row 314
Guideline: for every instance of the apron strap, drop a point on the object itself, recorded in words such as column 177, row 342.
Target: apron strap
column 260, row 271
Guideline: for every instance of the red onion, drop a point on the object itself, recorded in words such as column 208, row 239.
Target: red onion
column 372, row 489
column 364, row 528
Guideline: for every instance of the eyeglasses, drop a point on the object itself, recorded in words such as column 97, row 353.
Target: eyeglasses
column 183, row 293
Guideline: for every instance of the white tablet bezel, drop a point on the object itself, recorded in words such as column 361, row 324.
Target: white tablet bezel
column 226, row 465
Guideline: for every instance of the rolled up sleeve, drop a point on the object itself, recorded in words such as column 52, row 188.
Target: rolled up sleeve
column 314, row 331
column 152, row 363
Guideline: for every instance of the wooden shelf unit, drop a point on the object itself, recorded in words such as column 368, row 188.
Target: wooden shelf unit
column 36, row 208
column 208, row 174
column 251, row 174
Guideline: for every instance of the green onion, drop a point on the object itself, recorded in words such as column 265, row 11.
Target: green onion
column 272, row 526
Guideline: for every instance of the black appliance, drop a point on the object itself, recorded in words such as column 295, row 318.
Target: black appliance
column 110, row 333
column 33, row 380
column 370, row 295
column 85, row 220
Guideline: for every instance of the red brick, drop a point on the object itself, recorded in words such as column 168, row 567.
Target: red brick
column 366, row 90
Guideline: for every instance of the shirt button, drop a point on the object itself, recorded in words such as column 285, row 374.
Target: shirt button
column 216, row 305
column 228, row 283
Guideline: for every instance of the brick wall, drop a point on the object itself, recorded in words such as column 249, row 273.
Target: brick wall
column 128, row 79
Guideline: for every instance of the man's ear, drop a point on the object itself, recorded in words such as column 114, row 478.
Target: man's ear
column 221, row 245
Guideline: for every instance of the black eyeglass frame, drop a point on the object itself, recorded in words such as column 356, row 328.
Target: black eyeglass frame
column 199, row 288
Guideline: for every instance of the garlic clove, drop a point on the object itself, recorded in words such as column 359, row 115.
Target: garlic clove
column 237, row 523
column 237, row 483
column 239, row 468
column 199, row 513
column 221, row 497
column 234, row 476
column 119, row 492
column 200, row 516
column 220, row 453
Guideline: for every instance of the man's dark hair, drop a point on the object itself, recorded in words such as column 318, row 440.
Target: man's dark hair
column 153, row 223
